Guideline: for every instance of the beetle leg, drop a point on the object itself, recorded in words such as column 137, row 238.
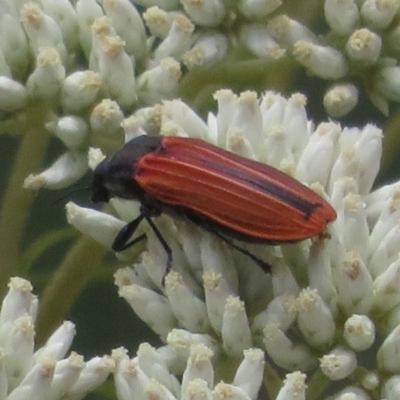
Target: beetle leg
column 163, row 243
column 121, row 241
column 262, row 264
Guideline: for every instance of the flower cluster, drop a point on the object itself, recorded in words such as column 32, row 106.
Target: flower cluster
column 330, row 308
column 328, row 316
column 44, row 373
column 93, row 62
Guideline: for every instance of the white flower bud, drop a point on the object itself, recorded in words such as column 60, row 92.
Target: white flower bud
column 129, row 377
column 184, row 116
column 160, row 82
column 359, row 332
column 116, row 71
column 314, row 318
column 355, row 227
column 246, row 119
column 281, row 310
column 354, row 283
column 352, row 393
column 294, row 387
column 13, row 96
column 364, row 46
column 388, row 356
column 67, row 169
column 224, row 391
column 14, row 45
column 63, row 12
column 284, row 352
column 340, row 99
column 258, row 8
column 95, row 372
column 216, row 293
column 370, row 380
column 106, row 118
column 379, row 14
column 72, row 131
column 386, row 253
column 177, row 42
column 338, row 364
column 133, row 127
column 360, row 153
column 58, row 343
column 388, row 208
column 287, row 31
column 317, row 157
column 156, row 368
column 207, row 49
column 19, row 345
column 158, row 21
column 323, row 61
column 383, row 203
column 227, row 102
column 391, row 388
column 151, row 307
column 387, row 82
column 66, row 373
column 95, row 157
column 17, row 302
column 197, row 389
column 100, row 226
column 182, row 341
column 189, row 310
column 42, row 30
column 205, row 13
column 45, row 81
column 386, row 288
column 155, row 390
column 295, row 118
column 198, row 366
column 258, row 40
column 36, row 382
column 319, row 268
column 80, row 90
column 128, row 24
column 236, row 335
column 249, row 375
column 341, row 15
column 216, row 257
column 87, row 12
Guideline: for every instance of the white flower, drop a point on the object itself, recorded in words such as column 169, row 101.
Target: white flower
column 44, row 373
column 217, row 298
column 149, row 374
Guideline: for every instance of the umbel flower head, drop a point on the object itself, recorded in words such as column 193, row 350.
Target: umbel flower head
column 46, row 372
column 328, row 314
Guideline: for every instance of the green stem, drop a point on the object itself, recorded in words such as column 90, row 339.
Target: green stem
column 66, row 285
column 17, row 201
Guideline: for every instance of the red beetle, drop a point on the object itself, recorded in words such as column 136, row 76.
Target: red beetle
column 228, row 195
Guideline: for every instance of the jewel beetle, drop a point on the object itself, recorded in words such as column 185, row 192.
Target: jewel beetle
column 221, row 192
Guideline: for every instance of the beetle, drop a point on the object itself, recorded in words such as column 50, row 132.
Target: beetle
column 221, row 192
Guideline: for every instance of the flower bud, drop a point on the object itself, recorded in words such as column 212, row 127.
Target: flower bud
column 341, row 15
column 207, row 13
column 340, row 100
column 13, row 95
column 323, row 61
column 338, row 364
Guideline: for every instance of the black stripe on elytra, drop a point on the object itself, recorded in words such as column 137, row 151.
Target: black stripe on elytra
column 264, row 185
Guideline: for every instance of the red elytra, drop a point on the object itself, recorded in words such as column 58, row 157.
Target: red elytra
column 228, row 195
